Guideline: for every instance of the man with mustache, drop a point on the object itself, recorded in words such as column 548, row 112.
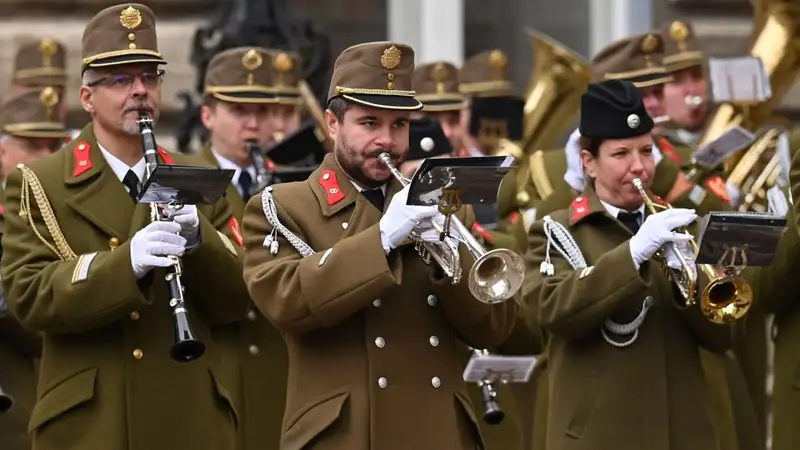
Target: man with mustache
column 372, row 330
column 84, row 265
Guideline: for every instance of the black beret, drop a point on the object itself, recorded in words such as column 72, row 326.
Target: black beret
column 492, row 118
column 613, row 109
column 427, row 139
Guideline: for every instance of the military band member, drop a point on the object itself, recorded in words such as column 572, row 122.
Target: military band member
column 83, row 265
column 238, row 107
column 41, row 63
column 436, row 84
column 609, row 308
column 285, row 116
column 29, row 129
column 329, row 263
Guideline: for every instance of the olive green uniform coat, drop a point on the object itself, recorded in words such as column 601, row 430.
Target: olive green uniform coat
column 107, row 380
column 374, row 356
column 255, row 362
column 651, row 394
column 19, row 349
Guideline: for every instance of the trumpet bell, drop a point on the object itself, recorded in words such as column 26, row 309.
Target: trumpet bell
column 726, row 299
column 496, row 276
column 6, row 402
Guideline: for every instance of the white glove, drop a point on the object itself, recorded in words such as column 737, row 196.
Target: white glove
column 674, row 263
column 187, row 218
column 400, row 219
column 151, row 245
column 733, row 193
column 657, row 230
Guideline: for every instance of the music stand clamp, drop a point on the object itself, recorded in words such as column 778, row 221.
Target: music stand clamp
column 735, row 240
column 178, row 185
column 451, row 183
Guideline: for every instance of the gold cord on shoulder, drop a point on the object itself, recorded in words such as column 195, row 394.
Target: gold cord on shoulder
column 32, row 185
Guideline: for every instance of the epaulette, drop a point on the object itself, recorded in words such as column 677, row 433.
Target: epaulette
column 32, row 186
column 717, row 187
column 666, row 147
column 271, row 241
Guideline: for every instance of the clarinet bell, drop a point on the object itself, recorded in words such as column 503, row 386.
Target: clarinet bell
column 186, row 347
column 492, row 413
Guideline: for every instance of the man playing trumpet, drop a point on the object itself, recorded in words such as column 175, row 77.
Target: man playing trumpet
column 371, row 329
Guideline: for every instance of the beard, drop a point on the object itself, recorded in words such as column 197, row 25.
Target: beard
column 131, row 127
column 348, row 156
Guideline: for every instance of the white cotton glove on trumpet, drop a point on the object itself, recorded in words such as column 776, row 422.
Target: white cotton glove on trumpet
column 400, row 219
column 672, row 259
column 151, row 246
column 657, row 230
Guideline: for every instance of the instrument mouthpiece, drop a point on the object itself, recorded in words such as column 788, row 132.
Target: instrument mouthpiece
column 693, row 100
column 660, row 119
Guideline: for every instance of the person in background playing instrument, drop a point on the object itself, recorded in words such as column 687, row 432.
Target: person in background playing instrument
column 610, row 311
column 84, row 265
column 254, row 352
column 436, row 84
column 41, row 63
column 328, row 261
column 29, row 129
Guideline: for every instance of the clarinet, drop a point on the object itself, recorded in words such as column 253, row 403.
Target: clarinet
column 492, row 412
column 263, row 176
column 186, row 347
column 6, row 402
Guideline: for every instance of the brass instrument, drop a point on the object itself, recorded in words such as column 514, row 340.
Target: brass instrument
column 775, row 43
column 317, row 113
column 552, row 100
column 495, row 276
column 727, row 296
column 757, row 171
column 6, row 401
column 186, row 347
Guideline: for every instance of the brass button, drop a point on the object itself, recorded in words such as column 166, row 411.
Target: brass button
column 432, row 300
column 135, row 315
column 434, row 341
column 138, row 354
column 253, row 350
column 383, row 382
column 436, row 382
column 380, row 342
column 376, row 303
column 251, row 315
column 113, row 243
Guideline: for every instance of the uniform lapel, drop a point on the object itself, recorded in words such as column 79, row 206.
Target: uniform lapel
column 95, row 192
column 587, row 207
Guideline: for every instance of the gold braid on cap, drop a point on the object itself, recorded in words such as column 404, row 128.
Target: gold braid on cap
column 32, row 185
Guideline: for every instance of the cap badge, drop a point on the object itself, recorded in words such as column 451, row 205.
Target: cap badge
column 252, row 60
column 439, row 74
column 130, row 18
column 49, row 99
column 498, row 62
column 48, row 48
column 390, row 58
column 282, row 62
column 633, row 121
column 679, row 32
column 649, row 43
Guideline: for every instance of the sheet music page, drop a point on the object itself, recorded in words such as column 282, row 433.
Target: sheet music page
column 738, row 79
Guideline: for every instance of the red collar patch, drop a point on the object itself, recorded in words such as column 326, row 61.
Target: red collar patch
column 168, row 160
column 580, row 208
column 233, row 225
column 478, row 228
column 716, row 185
column 514, row 217
column 83, row 162
column 328, row 181
column 666, row 148
column 2, row 209
column 269, row 165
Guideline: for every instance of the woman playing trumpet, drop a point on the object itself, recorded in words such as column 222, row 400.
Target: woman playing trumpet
column 626, row 373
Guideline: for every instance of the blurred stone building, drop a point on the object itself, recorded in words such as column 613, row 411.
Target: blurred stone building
column 724, row 25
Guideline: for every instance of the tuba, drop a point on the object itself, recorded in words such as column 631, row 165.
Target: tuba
column 186, row 347
column 552, row 98
column 495, row 276
column 6, row 401
column 775, row 42
column 727, row 296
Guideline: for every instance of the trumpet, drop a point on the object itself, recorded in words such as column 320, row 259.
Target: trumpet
column 727, row 296
column 263, row 176
column 186, row 347
column 6, row 401
column 495, row 276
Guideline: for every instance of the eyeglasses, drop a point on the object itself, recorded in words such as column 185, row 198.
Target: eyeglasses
column 125, row 81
